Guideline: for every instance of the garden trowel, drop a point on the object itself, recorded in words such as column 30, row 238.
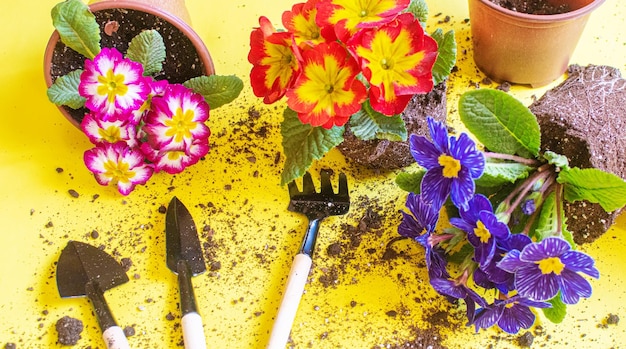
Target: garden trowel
column 84, row 270
column 184, row 257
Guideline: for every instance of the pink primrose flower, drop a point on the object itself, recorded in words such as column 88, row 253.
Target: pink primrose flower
column 119, row 165
column 175, row 161
column 176, row 119
column 99, row 131
column 112, row 85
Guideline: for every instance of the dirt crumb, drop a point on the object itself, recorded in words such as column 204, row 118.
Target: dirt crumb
column 69, row 330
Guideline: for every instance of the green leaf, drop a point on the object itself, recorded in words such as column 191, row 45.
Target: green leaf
column 419, row 9
column 547, row 222
column 303, row 143
column 557, row 160
column 595, row 186
column 217, row 90
column 557, row 313
column 410, row 182
column 499, row 173
column 446, row 58
column 500, row 122
column 64, row 91
column 77, row 27
column 148, row 49
column 368, row 124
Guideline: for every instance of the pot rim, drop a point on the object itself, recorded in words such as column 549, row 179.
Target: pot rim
column 197, row 42
column 545, row 18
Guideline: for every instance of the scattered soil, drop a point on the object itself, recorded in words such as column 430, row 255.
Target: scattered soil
column 69, row 330
column 181, row 63
column 389, row 155
column 534, row 7
column 612, row 319
column 525, row 340
column 582, row 118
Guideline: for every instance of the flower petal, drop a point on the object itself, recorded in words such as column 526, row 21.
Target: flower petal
column 435, row 188
column 462, row 189
column 579, row 262
column 465, row 149
column 549, row 247
column 573, row 286
column 532, row 284
column 424, row 152
column 515, row 318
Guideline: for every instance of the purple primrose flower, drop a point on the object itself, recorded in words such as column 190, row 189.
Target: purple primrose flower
column 483, row 228
column 491, row 276
column 544, row 268
column 511, row 314
column 419, row 226
column 451, row 165
column 458, row 289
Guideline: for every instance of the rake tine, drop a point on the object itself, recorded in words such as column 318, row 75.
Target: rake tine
column 326, row 186
column 293, row 189
column 307, row 184
column 343, row 184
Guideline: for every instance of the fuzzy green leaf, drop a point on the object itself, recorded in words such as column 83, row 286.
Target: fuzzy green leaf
column 557, row 160
column 557, row 313
column 64, row 91
column 500, row 122
column 217, row 90
column 419, row 9
column 595, row 186
column 446, row 58
column 410, row 182
column 368, row 124
column 499, row 173
column 77, row 27
column 303, row 143
column 148, row 49
column 548, row 220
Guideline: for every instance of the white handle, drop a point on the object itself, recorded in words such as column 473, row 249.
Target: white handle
column 114, row 338
column 291, row 299
column 193, row 332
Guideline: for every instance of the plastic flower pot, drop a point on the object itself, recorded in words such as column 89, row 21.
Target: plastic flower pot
column 526, row 48
column 120, row 21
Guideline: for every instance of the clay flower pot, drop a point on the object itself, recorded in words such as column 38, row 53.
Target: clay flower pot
column 120, row 21
column 526, row 48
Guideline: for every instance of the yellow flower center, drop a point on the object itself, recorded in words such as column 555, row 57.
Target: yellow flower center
column 112, row 85
column 386, row 65
column 118, row 171
column 551, row 265
column 482, row 232
column 451, row 166
column 110, row 134
column 180, row 125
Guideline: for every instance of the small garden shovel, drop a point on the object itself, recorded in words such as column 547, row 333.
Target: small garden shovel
column 84, row 270
column 315, row 206
column 184, row 257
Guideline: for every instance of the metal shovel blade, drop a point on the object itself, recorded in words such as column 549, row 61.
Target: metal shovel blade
column 181, row 239
column 81, row 263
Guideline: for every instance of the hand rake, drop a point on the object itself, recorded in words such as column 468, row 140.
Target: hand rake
column 315, row 206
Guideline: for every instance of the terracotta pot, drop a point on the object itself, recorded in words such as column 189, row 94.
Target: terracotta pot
column 197, row 58
column 523, row 48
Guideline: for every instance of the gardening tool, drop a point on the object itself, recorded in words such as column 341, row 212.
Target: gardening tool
column 184, row 258
column 84, row 270
column 316, row 207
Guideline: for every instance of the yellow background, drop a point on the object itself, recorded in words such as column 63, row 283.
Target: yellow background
column 374, row 303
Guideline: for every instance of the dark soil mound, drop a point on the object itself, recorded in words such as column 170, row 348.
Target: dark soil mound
column 384, row 154
column 584, row 118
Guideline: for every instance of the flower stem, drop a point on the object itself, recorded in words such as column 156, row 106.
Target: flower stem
column 520, row 191
column 519, row 159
